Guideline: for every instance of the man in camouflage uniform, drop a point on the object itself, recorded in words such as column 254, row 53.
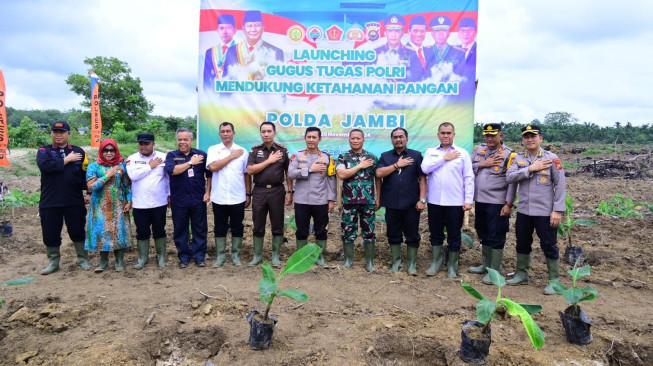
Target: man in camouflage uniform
column 494, row 197
column 357, row 169
column 542, row 190
column 315, row 190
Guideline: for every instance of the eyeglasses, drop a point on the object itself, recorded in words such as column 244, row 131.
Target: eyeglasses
column 111, row 151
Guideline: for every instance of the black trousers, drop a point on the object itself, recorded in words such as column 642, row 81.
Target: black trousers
column 266, row 201
column 490, row 226
column 52, row 219
column 402, row 223
column 548, row 235
column 449, row 217
column 320, row 215
column 227, row 217
column 155, row 217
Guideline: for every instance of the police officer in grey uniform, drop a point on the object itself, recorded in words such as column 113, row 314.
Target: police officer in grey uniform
column 541, row 180
column 268, row 163
column 494, row 197
column 314, row 173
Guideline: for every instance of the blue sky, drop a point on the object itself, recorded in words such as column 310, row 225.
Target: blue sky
column 590, row 58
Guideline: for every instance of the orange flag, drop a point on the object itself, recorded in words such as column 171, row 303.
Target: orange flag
column 96, row 118
column 4, row 139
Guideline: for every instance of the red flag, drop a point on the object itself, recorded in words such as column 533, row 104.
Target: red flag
column 4, row 139
column 96, row 118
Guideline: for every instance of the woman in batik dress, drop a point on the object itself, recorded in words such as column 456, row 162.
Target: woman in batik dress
column 107, row 225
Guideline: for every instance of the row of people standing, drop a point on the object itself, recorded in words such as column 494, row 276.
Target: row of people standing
column 223, row 177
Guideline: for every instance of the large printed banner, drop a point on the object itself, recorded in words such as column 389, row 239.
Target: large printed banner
column 338, row 66
column 96, row 117
column 4, row 138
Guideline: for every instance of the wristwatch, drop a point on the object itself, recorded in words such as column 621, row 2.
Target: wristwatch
column 423, row 200
column 190, row 163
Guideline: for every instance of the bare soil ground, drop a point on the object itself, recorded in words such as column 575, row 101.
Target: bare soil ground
column 196, row 316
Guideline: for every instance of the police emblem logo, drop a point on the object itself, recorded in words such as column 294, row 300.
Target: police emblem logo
column 372, row 31
column 543, row 179
column 482, row 152
column 334, row 33
column 441, row 20
column 496, row 168
column 355, row 34
column 295, row 33
column 394, row 20
column 314, row 33
column 58, row 124
column 528, row 128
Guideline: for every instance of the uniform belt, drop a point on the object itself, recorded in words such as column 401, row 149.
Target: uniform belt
column 268, row 186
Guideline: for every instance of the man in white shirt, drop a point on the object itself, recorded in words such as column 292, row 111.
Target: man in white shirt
column 450, row 194
column 150, row 198
column 230, row 193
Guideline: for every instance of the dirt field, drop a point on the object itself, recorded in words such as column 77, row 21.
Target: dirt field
column 197, row 315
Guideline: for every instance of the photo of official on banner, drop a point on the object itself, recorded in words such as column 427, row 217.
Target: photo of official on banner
column 371, row 66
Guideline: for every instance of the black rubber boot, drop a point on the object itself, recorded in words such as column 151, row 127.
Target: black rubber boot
column 436, row 262
column 395, row 251
column 54, row 255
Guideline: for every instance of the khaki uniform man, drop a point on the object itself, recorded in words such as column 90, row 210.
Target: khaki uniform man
column 494, row 197
column 541, row 180
column 314, row 173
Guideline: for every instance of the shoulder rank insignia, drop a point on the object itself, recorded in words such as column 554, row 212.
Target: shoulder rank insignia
column 558, row 163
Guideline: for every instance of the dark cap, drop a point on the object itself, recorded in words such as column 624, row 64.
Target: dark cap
column 535, row 130
column 467, row 23
column 394, row 22
column 418, row 20
column 441, row 22
column 145, row 137
column 61, row 126
column 253, row 16
column 226, row 19
column 491, row 128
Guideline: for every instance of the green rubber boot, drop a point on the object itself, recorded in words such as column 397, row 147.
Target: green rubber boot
column 369, row 256
column 236, row 246
column 221, row 253
column 452, row 265
column 348, row 249
column 553, row 267
column 320, row 260
column 160, row 245
column 104, row 262
column 436, row 263
column 120, row 256
column 277, row 241
column 54, row 255
column 258, row 252
column 301, row 243
column 411, row 260
column 523, row 265
column 496, row 257
column 82, row 255
column 143, row 253
column 486, row 254
column 395, row 251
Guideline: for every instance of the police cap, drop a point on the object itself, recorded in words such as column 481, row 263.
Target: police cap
column 491, row 128
column 534, row 129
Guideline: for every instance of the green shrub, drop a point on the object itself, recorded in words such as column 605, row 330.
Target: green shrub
column 619, row 206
